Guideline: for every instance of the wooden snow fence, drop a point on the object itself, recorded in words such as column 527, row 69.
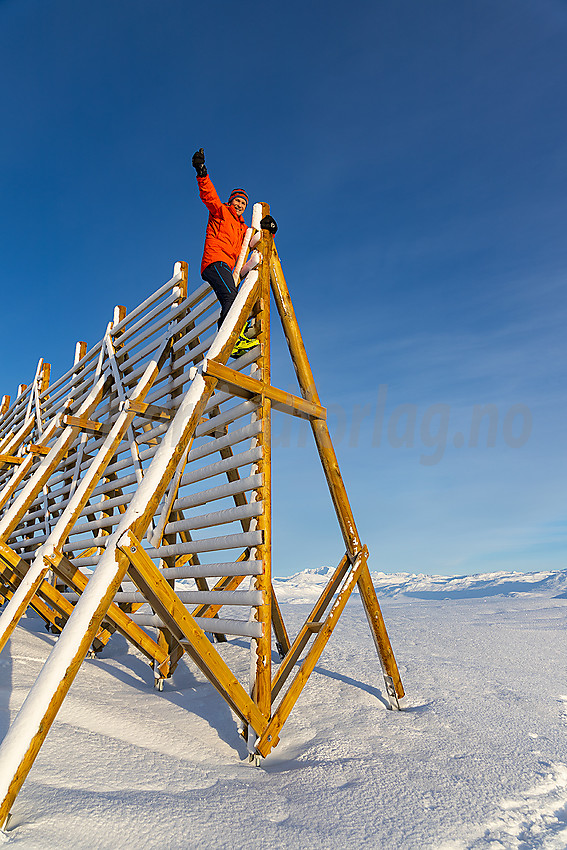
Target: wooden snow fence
column 149, row 463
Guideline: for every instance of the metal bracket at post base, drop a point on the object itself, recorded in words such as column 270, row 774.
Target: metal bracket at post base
column 391, row 692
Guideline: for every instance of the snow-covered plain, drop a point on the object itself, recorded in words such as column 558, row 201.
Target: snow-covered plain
column 478, row 758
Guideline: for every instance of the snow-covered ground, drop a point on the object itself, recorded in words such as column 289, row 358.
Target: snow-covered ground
column 478, row 758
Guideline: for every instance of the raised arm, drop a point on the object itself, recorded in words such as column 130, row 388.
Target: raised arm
column 207, row 191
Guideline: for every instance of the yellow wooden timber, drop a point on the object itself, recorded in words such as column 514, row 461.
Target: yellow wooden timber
column 14, row 459
column 83, row 423
column 246, row 387
column 307, row 630
column 261, row 690
column 34, row 449
column 150, row 411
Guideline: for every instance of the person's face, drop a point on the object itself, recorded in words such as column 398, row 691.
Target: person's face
column 239, row 205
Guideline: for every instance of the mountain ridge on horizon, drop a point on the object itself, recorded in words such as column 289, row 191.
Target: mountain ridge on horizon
column 306, row 585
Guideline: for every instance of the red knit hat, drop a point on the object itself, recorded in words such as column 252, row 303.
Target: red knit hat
column 237, row 193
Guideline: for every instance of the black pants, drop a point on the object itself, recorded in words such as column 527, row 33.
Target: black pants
column 220, row 278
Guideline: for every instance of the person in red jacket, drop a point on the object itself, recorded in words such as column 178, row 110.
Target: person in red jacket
column 223, row 240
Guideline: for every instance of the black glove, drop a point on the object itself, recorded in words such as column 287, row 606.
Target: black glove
column 269, row 223
column 198, row 163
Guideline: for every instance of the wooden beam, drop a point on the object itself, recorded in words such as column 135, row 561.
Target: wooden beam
column 278, row 625
column 150, row 411
column 184, row 279
column 119, row 314
column 262, row 647
column 80, row 351
column 85, row 424
column 34, row 449
column 247, row 387
column 43, row 382
column 13, row 459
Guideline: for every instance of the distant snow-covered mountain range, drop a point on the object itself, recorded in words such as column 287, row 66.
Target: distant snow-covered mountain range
column 305, row 587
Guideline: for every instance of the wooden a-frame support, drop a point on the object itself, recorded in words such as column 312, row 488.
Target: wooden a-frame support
column 153, row 519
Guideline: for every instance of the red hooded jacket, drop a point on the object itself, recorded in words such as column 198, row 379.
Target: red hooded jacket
column 225, row 229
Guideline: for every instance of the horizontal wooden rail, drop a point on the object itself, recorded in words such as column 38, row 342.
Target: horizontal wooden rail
column 88, row 425
column 246, row 598
column 150, row 411
column 215, row 626
column 13, row 459
column 228, row 568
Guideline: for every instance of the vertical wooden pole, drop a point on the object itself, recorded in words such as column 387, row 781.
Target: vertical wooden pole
column 335, row 482
column 43, row 383
column 262, row 647
column 80, row 351
column 119, row 314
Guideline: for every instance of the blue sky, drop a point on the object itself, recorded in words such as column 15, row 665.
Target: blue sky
column 414, row 156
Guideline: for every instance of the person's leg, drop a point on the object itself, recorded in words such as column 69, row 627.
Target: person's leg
column 219, row 276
